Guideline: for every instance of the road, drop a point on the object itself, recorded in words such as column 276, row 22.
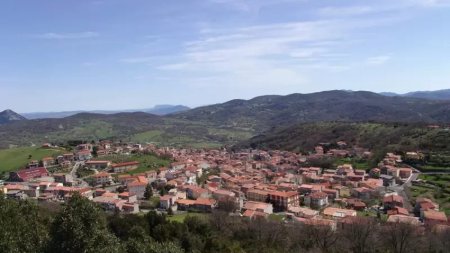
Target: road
column 401, row 189
column 73, row 173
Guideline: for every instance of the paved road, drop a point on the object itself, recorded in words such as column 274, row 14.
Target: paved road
column 73, row 173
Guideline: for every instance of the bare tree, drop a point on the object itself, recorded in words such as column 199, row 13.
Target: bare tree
column 359, row 234
column 401, row 237
column 323, row 237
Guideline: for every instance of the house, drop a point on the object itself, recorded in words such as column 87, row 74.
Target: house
column 284, row 200
column 204, row 204
column 48, row 161
column 432, row 217
column 167, row 201
column 335, row 213
column 109, row 203
column 102, row 178
column 195, row 192
column 403, row 219
column 258, row 206
column 83, row 155
column 424, row 204
column 391, row 201
column 63, row 178
column 124, row 167
column 28, row 174
column 317, row 200
column 398, row 211
column 332, row 193
column 130, row 207
column 257, row 195
column 184, row 204
column 98, row 165
column 303, row 212
column 362, row 193
column 129, row 197
column 137, row 188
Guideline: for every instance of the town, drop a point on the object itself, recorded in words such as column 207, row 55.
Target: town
column 253, row 184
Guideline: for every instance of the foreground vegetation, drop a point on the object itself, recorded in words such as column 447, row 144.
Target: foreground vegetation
column 80, row 226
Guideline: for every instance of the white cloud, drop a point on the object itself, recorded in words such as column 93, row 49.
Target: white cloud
column 137, row 60
column 66, row 36
column 378, row 60
column 346, row 11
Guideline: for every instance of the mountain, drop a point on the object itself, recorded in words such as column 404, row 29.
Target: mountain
column 157, row 110
column 9, row 116
column 436, row 95
column 262, row 113
column 134, row 126
column 383, row 137
column 167, row 109
column 227, row 123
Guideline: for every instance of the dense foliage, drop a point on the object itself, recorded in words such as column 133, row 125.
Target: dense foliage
column 80, row 226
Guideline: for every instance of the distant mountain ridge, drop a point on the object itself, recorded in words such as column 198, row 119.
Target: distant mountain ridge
column 8, row 115
column 229, row 122
column 435, row 95
column 157, row 110
column 262, row 113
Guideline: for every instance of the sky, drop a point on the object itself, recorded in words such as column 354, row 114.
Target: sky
column 58, row 55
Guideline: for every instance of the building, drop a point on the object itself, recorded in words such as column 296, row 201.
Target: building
column 284, row 200
column 258, row 206
column 102, row 178
column 137, row 188
column 124, row 167
column 303, row 212
column 336, row 213
column 167, row 201
column 204, row 204
column 432, row 217
column 98, row 165
column 257, row 195
column 391, row 201
column 317, row 200
column 28, row 174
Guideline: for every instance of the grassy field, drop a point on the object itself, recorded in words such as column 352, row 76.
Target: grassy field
column 147, row 162
column 181, row 217
column 356, row 163
column 437, row 189
column 16, row 158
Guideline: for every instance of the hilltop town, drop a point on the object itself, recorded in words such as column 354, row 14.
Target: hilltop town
column 275, row 185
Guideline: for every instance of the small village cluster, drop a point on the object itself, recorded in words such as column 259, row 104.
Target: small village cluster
column 250, row 183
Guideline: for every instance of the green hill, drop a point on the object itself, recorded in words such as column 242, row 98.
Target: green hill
column 377, row 136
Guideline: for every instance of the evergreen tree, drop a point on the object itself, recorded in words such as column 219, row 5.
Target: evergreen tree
column 148, row 192
column 22, row 228
column 81, row 227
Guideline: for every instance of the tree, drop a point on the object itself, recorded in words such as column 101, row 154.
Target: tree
column 360, row 234
column 22, row 228
column 148, row 192
column 170, row 211
column 95, row 151
column 81, row 227
column 401, row 237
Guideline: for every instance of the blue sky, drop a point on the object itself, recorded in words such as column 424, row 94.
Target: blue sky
column 118, row 54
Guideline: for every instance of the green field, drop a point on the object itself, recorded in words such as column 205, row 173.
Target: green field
column 356, row 163
column 181, row 217
column 16, row 158
column 147, row 162
column 437, row 189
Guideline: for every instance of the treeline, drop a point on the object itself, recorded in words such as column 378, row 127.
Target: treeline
column 80, row 226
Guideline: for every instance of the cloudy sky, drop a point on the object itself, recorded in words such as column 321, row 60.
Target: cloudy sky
column 118, row 54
